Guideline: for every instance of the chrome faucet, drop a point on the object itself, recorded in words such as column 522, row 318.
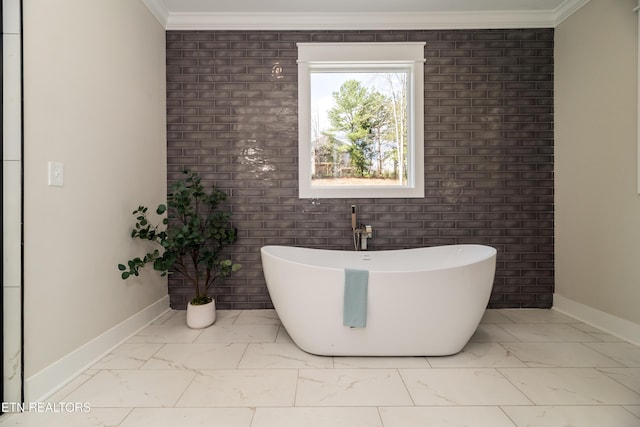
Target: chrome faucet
column 361, row 233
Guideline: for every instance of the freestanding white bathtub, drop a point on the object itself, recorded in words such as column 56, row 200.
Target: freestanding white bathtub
column 421, row 302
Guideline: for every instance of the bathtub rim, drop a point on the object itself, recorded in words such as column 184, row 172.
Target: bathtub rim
column 490, row 253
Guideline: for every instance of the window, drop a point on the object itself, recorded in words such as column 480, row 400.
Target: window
column 361, row 120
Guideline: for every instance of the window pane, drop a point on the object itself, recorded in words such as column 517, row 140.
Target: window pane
column 359, row 128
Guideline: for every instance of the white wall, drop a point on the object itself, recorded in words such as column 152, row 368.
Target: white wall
column 597, row 205
column 94, row 99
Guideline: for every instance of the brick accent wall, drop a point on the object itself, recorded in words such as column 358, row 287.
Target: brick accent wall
column 488, row 152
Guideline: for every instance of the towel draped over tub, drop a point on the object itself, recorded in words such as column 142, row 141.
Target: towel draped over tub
column 356, row 283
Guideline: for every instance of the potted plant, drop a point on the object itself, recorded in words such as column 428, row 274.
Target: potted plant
column 193, row 235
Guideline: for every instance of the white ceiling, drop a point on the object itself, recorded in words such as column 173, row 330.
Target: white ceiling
column 359, row 14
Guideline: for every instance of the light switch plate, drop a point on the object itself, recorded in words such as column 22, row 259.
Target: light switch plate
column 56, row 174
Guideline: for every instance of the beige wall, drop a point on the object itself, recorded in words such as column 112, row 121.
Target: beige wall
column 597, row 205
column 94, row 97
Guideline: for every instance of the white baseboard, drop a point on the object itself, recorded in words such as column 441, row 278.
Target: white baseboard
column 613, row 325
column 49, row 380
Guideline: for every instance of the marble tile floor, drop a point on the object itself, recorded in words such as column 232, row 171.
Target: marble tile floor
column 521, row 368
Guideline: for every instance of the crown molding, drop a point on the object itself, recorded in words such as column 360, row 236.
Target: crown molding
column 357, row 21
column 229, row 21
column 568, row 8
column 159, row 10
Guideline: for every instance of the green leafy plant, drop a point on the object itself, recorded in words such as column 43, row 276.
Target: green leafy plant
column 191, row 238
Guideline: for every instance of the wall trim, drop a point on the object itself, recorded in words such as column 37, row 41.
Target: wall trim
column 49, row 380
column 359, row 21
column 283, row 21
column 568, row 8
column 159, row 10
column 609, row 323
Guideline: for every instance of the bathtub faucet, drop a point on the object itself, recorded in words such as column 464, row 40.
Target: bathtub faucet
column 361, row 233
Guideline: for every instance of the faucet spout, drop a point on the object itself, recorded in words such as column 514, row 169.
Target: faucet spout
column 353, row 217
column 361, row 233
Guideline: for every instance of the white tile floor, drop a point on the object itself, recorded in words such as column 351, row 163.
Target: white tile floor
column 521, row 368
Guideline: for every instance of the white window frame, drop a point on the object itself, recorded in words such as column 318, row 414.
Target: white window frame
column 374, row 57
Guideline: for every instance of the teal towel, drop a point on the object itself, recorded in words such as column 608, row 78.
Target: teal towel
column 356, row 283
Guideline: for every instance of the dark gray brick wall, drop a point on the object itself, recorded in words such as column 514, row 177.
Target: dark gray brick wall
column 488, row 152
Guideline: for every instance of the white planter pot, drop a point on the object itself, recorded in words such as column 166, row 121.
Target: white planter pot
column 201, row 316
